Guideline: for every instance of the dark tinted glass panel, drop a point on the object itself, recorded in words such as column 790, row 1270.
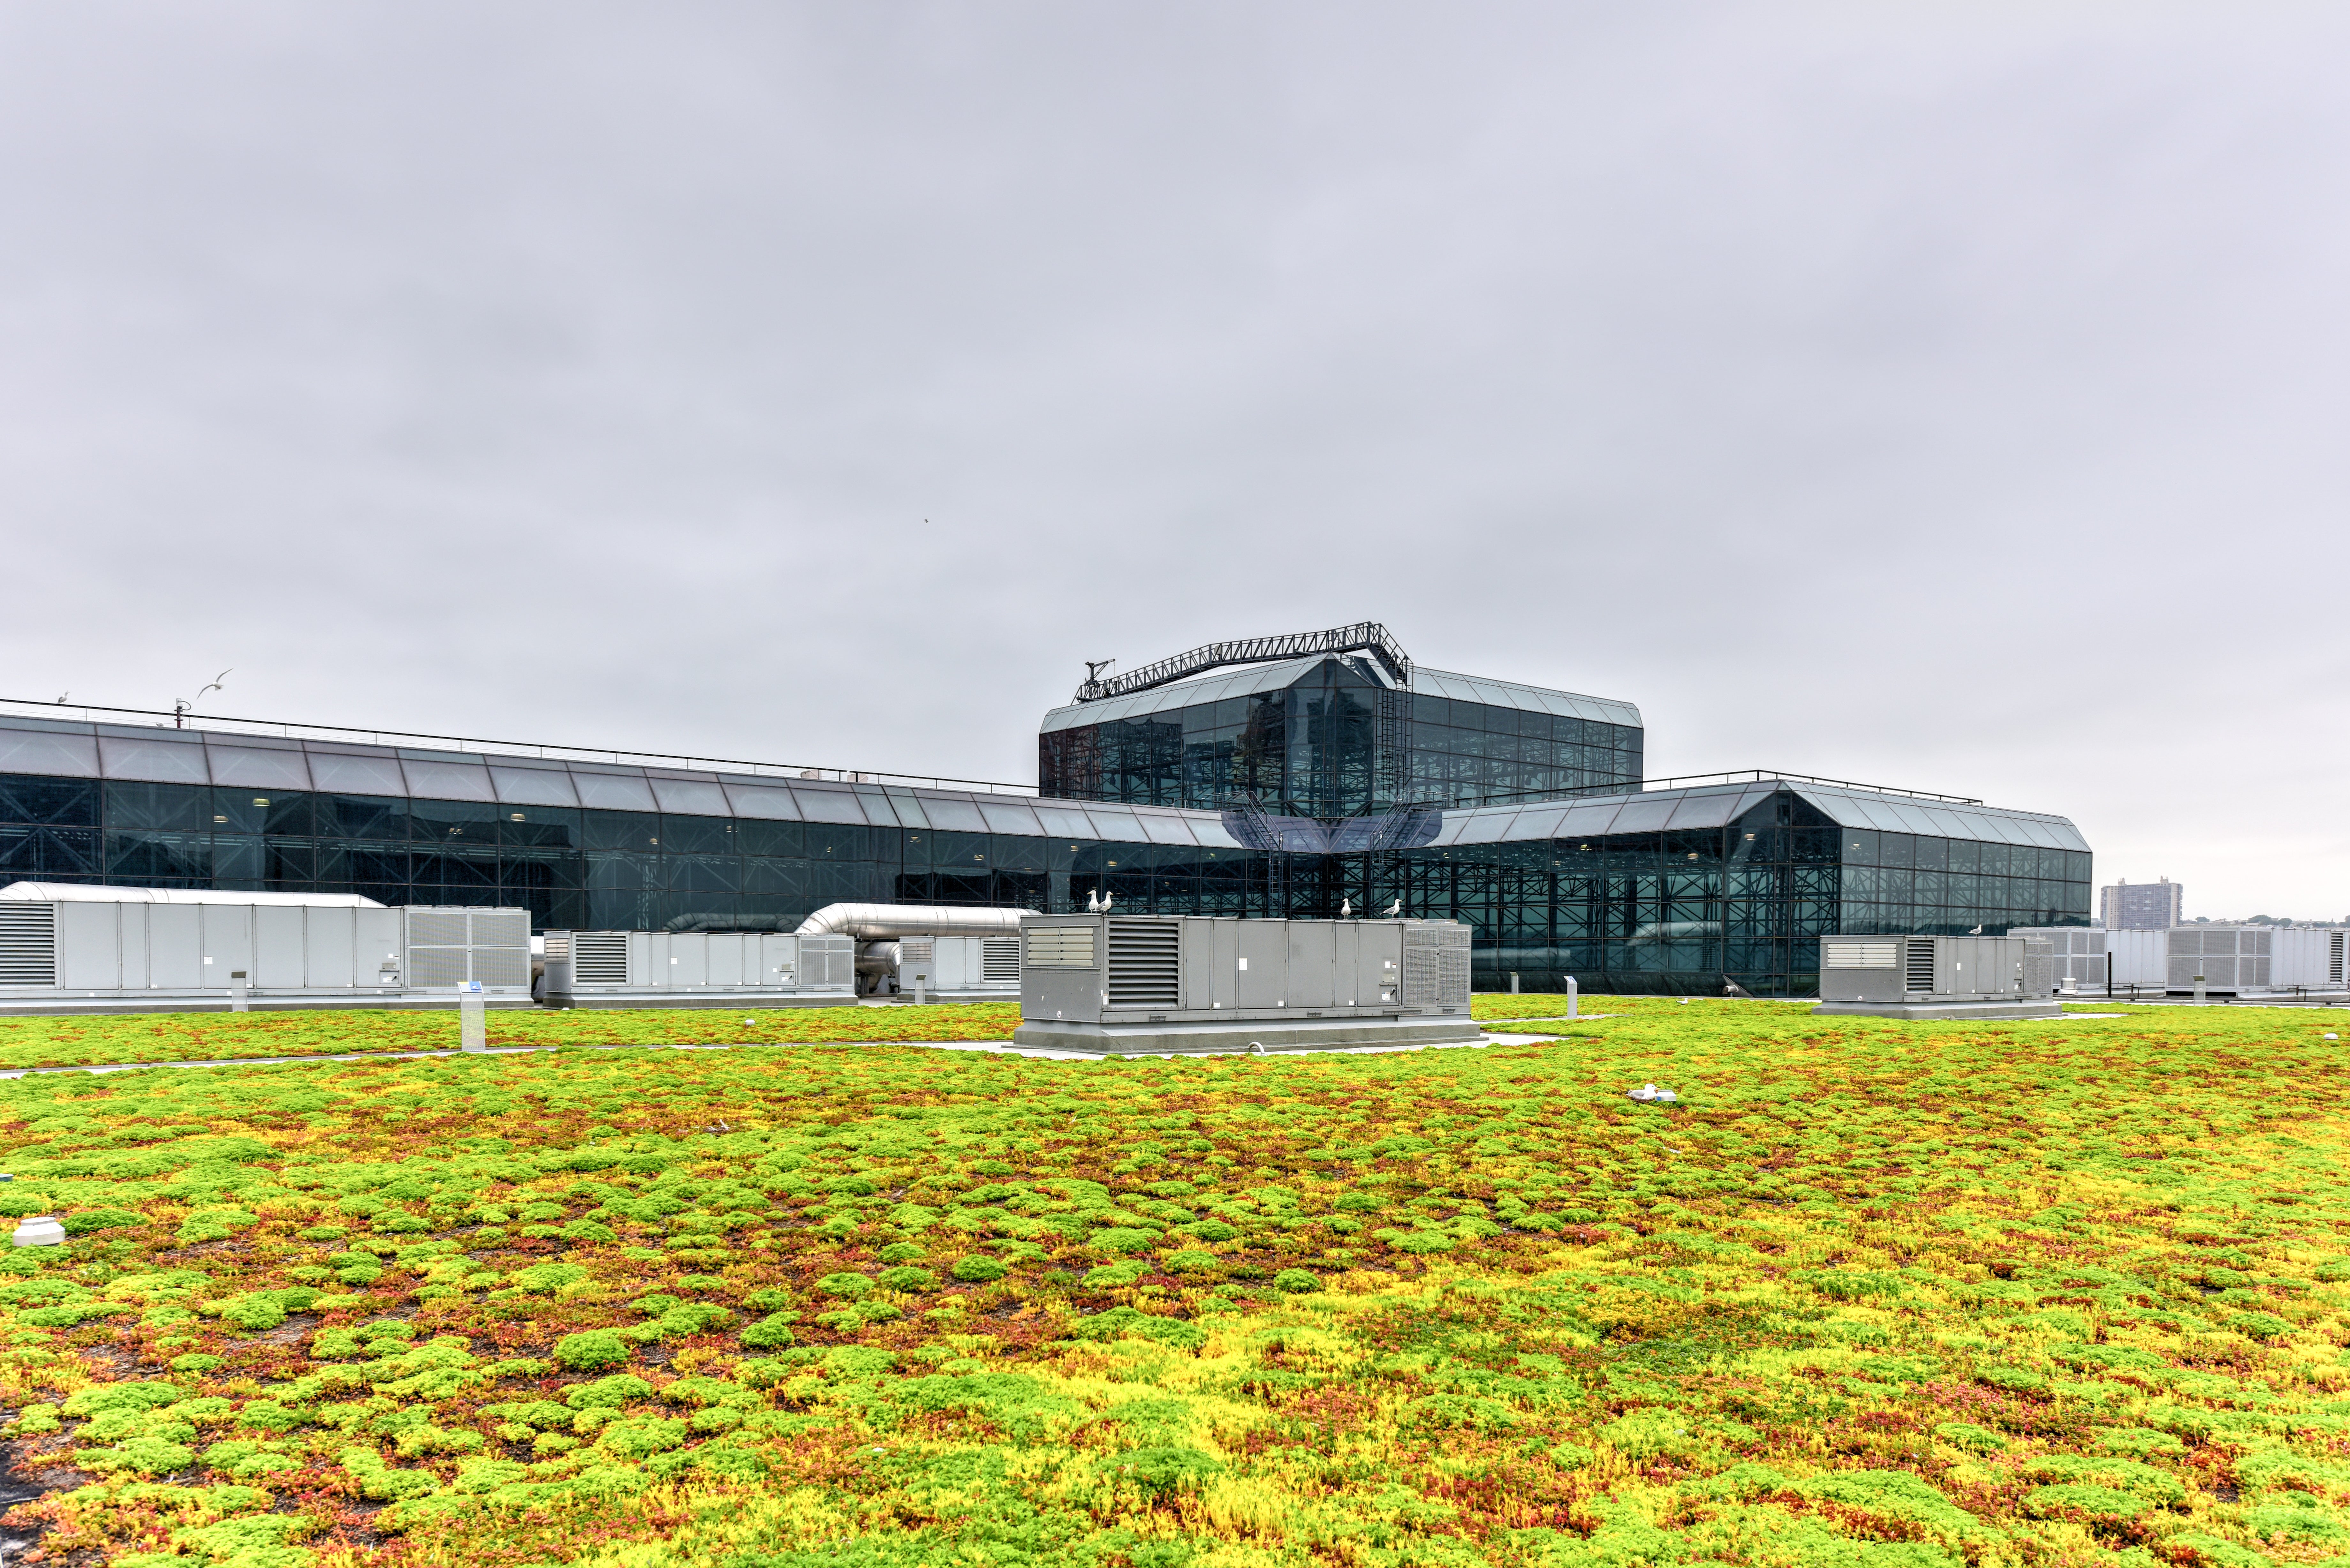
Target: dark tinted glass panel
column 639, row 831
column 288, row 815
column 158, row 807
column 702, row 873
column 620, row 872
column 378, row 865
column 539, row 827
column 137, row 857
column 381, row 817
column 290, row 859
column 696, row 835
column 452, row 821
column 237, row 860
column 771, row 837
column 25, row 797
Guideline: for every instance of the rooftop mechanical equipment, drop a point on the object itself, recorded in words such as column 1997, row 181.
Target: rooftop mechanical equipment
column 1937, row 977
column 1153, row 985
column 137, row 950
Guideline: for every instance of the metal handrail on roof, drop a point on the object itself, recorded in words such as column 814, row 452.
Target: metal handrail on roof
column 394, row 740
column 1741, row 776
column 1363, row 637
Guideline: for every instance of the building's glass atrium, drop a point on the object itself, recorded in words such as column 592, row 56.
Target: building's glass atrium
column 1664, row 889
column 1330, row 737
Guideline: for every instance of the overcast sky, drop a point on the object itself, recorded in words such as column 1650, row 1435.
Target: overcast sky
column 1945, row 397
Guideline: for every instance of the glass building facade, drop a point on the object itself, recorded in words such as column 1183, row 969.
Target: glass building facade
column 1658, row 890
column 1332, row 737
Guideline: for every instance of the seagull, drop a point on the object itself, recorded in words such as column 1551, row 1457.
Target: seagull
column 1395, row 909
column 1107, row 899
column 1644, row 1094
column 1093, row 902
column 1974, row 930
column 1346, row 908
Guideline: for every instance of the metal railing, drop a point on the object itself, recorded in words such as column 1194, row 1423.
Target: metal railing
column 1363, row 637
column 1691, row 781
column 212, row 723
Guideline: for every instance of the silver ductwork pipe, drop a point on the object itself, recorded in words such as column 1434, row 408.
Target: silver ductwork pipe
column 880, row 922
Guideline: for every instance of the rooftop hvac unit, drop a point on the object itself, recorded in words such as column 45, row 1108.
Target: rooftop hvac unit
column 1938, row 977
column 698, row 969
column 954, row 967
column 1161, row 983
column 106, row 957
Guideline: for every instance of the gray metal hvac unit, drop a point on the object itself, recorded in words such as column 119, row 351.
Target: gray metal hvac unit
column 1160, row 984
column 74, row 956
column 956, row 967
column 698, row 969
column 2255, row 960
column 1937, row 977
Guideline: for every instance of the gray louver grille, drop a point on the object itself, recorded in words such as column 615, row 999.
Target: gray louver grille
column 436, row 928
column 999, row 959
column 2334, row 961
column 1435, row 964
column 599, row 958
column 1144, row 963
column 29, row 944
column 914, row 950
column 436, row 965
column 1918, row 959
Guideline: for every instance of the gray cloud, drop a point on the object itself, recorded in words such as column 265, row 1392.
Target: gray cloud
column 1940, row 396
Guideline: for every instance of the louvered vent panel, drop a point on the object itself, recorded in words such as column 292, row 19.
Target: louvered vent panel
column 436, row 965
column 29, row 944
column 2334, row 961
column 913, row 950
column 999, row 959
column 1435, row 964
column 1144, row 963
column 1060, row 947
column 559, row 944
column 436, row 928
column 1917, row 959
column 599, row 958
column 502, row 929
column 502, row 966
column 1857, row 955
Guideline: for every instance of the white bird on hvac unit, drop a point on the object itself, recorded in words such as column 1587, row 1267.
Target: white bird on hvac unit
column 1974, row 930
column 1107, row 899
column 1395, row 909
column 1093, row 902
column 1346, row 908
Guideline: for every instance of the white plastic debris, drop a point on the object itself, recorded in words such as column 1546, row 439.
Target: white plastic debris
column 41, row 1230
column 2329, row 1037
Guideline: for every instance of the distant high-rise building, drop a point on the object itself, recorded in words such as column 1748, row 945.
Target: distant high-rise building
column 2149, row 907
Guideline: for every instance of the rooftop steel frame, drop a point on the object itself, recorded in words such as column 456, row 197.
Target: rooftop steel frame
column 1363, row 637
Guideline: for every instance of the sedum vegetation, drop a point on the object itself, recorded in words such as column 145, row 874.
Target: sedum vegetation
column 1878, row 1294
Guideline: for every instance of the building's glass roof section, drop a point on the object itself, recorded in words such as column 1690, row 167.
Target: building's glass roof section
column 266, row 762
column 193, row 756
column 1717, row 805
column 1251, row 680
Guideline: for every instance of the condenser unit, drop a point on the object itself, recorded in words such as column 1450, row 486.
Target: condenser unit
column 84, row 955
column 698, row 969
column 1158, row 984
column 1937, row 977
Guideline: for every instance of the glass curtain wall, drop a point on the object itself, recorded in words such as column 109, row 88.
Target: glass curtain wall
column 1333, row 744
column 1630, row 912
